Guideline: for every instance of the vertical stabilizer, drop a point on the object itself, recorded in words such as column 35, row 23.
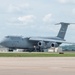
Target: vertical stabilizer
column 63, row 29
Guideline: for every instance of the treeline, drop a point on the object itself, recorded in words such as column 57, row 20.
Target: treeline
column 69, row 47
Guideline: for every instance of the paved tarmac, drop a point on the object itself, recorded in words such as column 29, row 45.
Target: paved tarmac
column 37, row 65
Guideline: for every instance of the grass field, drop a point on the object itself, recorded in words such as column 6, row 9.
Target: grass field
column 37, row 54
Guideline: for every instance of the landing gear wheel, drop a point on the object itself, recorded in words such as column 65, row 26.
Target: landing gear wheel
column 10, row 50
column 41, row 49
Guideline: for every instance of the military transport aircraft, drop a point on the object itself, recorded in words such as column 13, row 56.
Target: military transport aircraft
column 36, row 43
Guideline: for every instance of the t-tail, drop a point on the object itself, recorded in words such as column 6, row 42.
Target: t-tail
column 63, row 29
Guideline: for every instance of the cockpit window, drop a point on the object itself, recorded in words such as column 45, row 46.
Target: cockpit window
column 13, row 37
column 7, row 37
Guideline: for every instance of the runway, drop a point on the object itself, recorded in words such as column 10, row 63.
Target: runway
column 37, row 66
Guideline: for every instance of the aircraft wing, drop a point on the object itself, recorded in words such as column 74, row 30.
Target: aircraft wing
column 52, row 40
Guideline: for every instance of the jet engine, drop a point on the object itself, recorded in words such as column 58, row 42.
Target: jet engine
column 41, row 44
column 54, row 45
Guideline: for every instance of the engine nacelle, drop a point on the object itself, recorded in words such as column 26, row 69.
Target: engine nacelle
column 41, row 44
column 54, row 45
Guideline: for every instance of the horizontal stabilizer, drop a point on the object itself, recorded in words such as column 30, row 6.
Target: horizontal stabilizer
column 63, row 23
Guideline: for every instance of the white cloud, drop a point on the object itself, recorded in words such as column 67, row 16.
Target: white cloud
column 18, row 7
column 22, row 20
column 27, row 19
column 62, row 1
column 47, row 18
column 25, row 5
column 73, row 11
column 13, row 8
column 66, row 1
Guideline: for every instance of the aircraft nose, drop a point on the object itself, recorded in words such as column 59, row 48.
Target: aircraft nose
column 3, row 43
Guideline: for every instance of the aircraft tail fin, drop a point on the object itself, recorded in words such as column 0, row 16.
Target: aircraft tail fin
column 63, row 29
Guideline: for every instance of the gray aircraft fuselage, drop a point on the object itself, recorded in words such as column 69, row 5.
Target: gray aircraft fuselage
column 16, row 42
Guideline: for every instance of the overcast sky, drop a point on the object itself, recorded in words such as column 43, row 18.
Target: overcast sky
column 36, row 17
